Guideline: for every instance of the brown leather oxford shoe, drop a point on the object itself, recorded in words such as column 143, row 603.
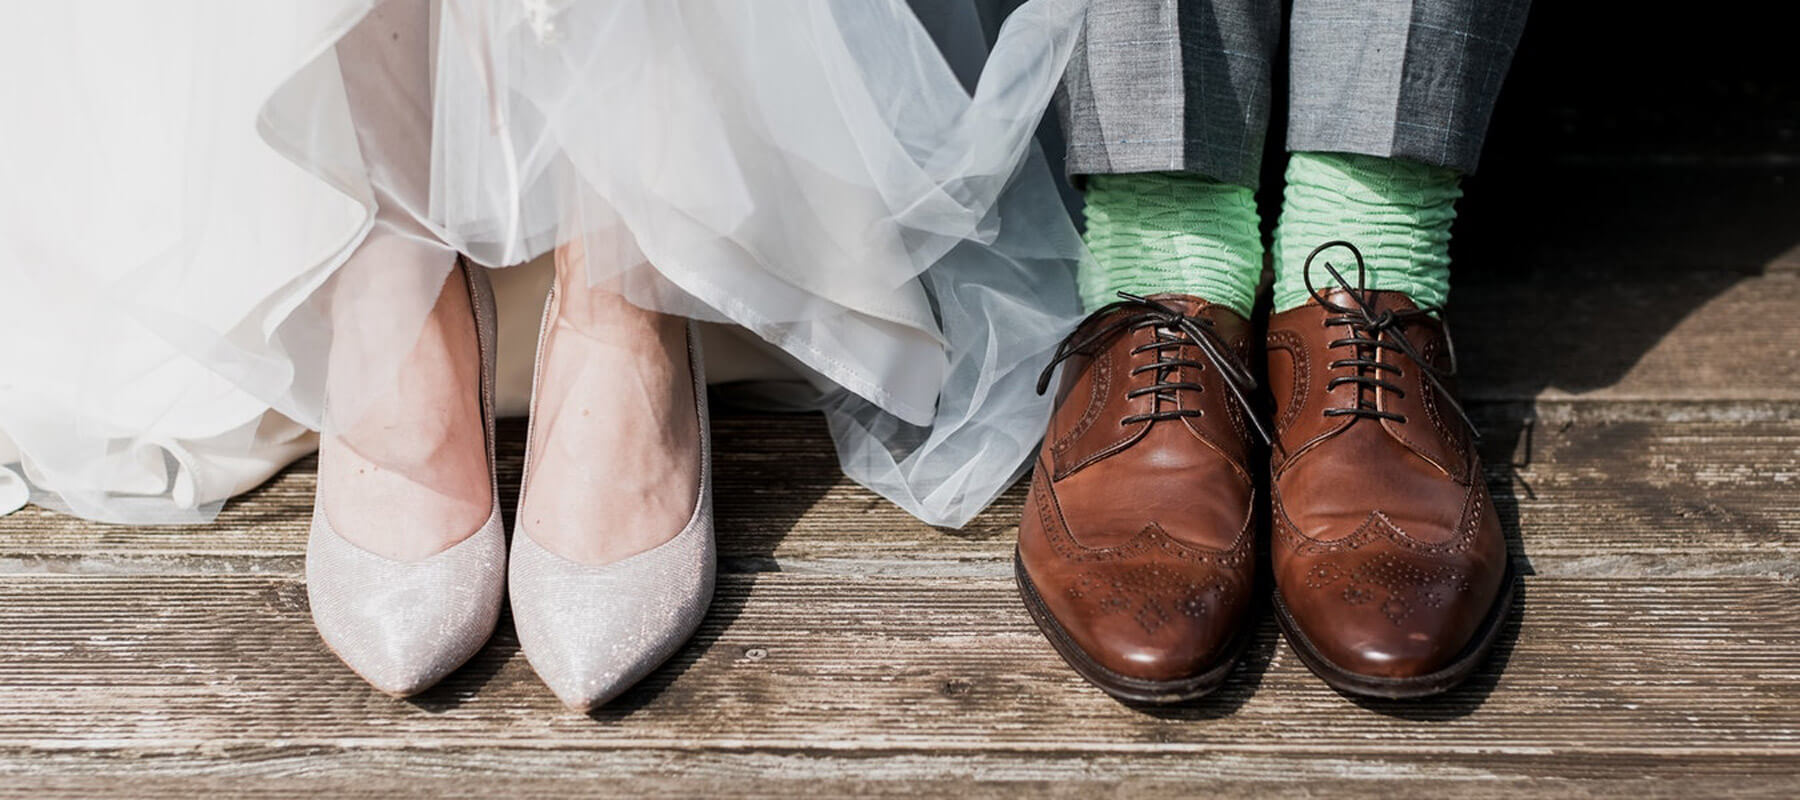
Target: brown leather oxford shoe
column 1136, row 550
column 1391, row 570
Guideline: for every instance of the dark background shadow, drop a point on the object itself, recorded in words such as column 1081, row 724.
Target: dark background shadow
column 1639, row 166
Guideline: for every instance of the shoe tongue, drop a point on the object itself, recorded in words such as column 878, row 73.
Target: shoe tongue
column 1185, row 303
column 1229, row 325
column 1377, row 300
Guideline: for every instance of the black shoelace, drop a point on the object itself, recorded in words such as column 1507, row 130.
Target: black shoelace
column 1372, row 332
column 1174, row 331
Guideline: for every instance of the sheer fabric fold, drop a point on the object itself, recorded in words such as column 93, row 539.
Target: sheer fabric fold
column 814, row 171
column 157, row 254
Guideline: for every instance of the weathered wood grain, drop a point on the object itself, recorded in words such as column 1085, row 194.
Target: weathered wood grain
column 1703, row 334
column 452, row 772
column 1604, row 489
column 845, row 683
column 1612, row 668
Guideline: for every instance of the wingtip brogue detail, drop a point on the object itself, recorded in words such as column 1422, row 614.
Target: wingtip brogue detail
column 1136, row 550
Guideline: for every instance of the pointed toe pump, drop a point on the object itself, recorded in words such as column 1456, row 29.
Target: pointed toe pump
column 591, row 631
column 404, row 625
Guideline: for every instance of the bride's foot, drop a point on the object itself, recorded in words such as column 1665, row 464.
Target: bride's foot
column 409, row 477
column 406, row 561
column 615, row 440
column 612, row 562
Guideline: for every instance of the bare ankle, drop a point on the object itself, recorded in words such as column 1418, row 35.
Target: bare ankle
column 600, row 488
column 599, row 311
column 407, row 473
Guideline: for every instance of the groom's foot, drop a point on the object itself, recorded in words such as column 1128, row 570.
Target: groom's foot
column 1390, row 567
column 1136, row 551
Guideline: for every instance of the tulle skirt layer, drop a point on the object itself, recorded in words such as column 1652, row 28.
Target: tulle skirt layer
column 817, row 175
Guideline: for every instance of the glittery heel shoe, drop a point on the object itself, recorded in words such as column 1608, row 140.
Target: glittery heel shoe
column 592, row 631
column 404, row 625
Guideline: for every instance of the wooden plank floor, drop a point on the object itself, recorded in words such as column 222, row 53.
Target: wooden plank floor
column 1654, row 499
column 1632, row 352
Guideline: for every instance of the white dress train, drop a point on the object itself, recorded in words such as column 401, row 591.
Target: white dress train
column 201, row 187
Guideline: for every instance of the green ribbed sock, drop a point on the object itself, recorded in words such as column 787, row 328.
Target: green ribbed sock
column 1397, row 212
column 1171, row 232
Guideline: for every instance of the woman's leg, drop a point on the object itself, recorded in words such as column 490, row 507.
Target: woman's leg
column 406, row 474
column 403, row 467
column 615, row 438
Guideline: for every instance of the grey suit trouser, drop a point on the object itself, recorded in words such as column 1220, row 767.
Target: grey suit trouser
column 1184, row 85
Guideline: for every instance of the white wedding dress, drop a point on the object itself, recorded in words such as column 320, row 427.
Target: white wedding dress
column 183, row 186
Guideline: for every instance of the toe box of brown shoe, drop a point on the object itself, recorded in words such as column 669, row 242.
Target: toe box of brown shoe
column 1148, row 619
column 1146, row 605
column 1379, row 602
